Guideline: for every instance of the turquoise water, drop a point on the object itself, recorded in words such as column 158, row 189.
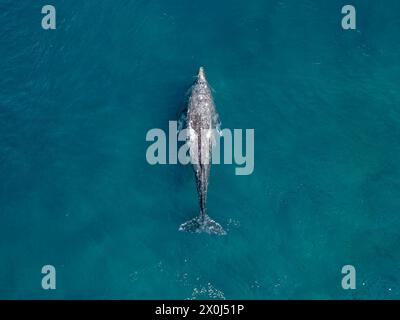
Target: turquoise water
column 76, row 191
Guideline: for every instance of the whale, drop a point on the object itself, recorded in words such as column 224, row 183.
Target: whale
column 201, row 122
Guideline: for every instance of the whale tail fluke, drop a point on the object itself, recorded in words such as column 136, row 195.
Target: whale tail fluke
column 203, row 224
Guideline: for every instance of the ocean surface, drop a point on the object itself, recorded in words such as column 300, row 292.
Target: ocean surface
column 76, row 191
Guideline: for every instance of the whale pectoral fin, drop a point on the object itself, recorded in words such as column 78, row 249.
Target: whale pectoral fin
column 217, row 133
column 182, row 121
column 213, row 141
column 217, row 123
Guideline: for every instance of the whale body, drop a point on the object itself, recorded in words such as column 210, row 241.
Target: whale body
column 202, row 122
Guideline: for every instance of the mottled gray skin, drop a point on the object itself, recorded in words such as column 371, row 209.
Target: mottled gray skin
column 201, row 111
column 201, row 117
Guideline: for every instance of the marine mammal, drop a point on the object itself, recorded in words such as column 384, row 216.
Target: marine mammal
column 202, row 122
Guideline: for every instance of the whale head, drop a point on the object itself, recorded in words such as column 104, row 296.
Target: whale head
column 201, row 76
